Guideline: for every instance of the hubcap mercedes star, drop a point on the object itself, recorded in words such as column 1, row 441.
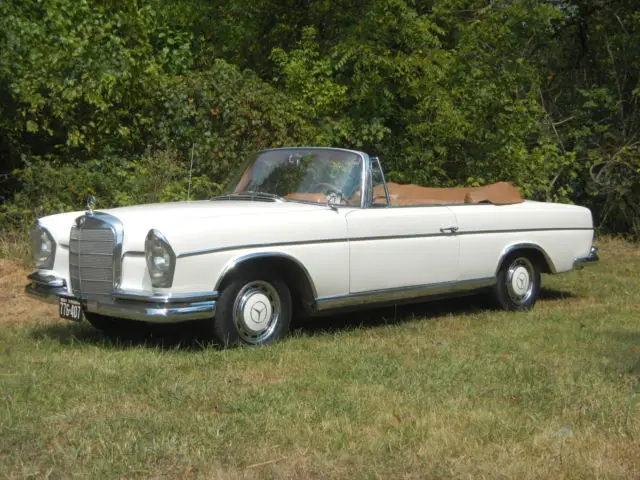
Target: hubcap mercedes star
column 520, row 280
column 256, row 311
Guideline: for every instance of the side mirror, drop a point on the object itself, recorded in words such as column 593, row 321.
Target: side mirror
column 334, row 199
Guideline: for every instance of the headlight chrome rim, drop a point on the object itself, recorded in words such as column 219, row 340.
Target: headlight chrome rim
column 161, row 260
column 44, row 258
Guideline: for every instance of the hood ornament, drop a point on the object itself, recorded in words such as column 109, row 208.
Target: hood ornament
column 91, row 203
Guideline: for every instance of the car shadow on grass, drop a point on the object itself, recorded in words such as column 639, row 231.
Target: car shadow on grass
column 186, row 336
column 389, row 315
column 553, row 294
column 196, row 335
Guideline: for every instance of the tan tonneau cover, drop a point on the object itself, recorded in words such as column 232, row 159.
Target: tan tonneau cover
column 501, row 193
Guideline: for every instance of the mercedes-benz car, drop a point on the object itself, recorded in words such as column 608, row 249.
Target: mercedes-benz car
column 302, row 231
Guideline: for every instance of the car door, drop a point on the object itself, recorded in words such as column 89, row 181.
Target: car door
column 395, row 247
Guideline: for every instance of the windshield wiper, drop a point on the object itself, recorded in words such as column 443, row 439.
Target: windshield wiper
column 251, row 195
column 263, row 194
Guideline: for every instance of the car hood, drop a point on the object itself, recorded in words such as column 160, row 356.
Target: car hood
column 178, row 220
column 156, row 214
column 190, row 226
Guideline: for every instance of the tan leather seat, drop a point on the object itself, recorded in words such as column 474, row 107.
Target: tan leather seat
column 500, row 193
column 307, row 197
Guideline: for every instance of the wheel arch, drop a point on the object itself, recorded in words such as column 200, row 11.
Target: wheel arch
column 295, row 274
column 532, row 250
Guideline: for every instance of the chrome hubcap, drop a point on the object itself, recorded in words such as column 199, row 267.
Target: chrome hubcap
column 520, row 280
column 256, row 311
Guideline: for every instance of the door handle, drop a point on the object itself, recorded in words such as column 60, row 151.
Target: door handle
column 451, row 229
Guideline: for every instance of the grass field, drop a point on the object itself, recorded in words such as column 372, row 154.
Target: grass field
column 446, row 389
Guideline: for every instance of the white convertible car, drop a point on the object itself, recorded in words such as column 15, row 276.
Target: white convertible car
column 302, row 231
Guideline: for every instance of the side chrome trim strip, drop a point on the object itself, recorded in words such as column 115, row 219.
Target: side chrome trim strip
column 517, row 246
column 402, row 293
column 453, row 230
column 397, row 237
column 260, row 245
column 229, row 267
column 518, row 230
column 366, row 239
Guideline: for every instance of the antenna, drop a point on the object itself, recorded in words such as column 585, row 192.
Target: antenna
column 193, row 146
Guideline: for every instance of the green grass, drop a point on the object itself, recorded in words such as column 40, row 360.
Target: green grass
column 447, row 389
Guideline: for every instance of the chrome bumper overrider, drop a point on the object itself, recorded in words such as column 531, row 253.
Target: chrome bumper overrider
column 590, row 259
column 130, row 305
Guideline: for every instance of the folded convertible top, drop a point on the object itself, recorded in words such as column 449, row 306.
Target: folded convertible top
column 501, row 193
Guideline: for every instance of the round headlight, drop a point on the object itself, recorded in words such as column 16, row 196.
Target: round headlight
column 44, row 247
column 160, row 259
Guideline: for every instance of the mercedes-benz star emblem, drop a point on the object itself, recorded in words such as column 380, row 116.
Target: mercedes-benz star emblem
column 521, row 281
column 258, row 312
column 91, row 203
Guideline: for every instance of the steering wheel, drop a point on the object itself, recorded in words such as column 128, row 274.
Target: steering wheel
column 331, row 191
column 328, row 187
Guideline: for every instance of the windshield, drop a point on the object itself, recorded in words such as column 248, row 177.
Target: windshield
column 306, row 174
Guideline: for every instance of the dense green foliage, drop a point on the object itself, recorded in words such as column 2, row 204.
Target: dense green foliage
column 116, row 97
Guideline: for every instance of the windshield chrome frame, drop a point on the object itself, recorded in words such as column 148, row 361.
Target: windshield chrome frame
column 373, row 161
column 365, row 181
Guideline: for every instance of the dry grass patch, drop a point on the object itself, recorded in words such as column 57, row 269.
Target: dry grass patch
column 17, row 307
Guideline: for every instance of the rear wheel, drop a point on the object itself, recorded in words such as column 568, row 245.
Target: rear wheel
column 253, row 309
column 518, row 283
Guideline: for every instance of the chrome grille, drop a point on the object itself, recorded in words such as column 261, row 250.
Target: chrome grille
column 91, row 252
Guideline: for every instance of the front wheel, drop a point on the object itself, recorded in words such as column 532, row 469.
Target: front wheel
column 253, row 309
column 518, row 283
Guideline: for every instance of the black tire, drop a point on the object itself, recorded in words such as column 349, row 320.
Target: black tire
column 253, row 309
column 115, row 326
column 518, row 282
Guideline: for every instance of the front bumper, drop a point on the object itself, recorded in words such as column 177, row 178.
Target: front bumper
column 590, row 259
column 130, row 305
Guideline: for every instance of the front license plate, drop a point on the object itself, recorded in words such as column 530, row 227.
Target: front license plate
column 70, row 309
